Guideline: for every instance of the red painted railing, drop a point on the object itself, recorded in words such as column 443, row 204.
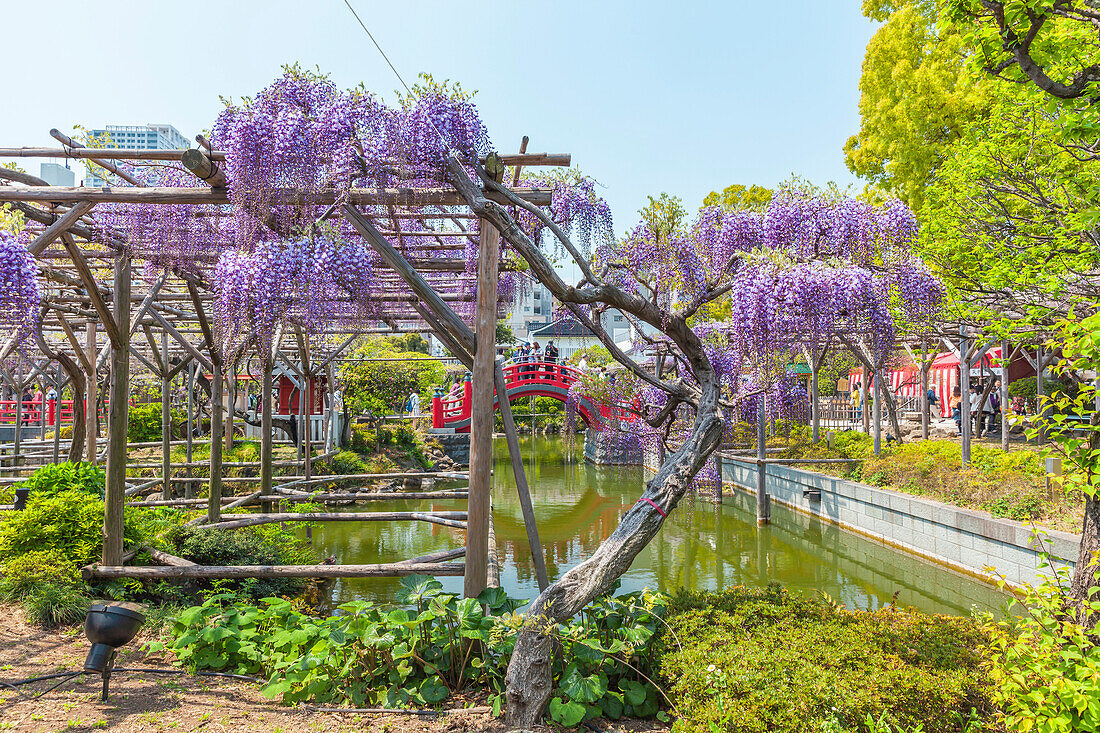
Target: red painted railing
column 33, row 410
column 525, row 378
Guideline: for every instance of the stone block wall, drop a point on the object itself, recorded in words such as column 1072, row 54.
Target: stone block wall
column 964, row 539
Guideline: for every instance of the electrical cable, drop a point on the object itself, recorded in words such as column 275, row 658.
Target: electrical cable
column 394, row 69
column 144, row 670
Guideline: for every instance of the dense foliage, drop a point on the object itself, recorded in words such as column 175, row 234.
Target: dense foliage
column 145, row 422
column 382, row 382
column 1044, row 665
column 419, row 654
column 803, row 665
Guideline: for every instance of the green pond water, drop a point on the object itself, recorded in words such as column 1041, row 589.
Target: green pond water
column 701, row 545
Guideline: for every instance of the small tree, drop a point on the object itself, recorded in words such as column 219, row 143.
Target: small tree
column 1073, row 427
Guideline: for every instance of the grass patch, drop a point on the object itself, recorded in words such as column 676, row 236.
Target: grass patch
column 1008, row 484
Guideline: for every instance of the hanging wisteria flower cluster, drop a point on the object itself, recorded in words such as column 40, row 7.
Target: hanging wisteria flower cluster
column 804, row 270
column 20, row 295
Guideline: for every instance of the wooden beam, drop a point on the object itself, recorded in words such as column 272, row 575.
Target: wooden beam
column 389, row 570
column 81, row 356
column 78, row 151
column 205, row 169
column 71, row 145
column 92, row 288
column 220, row 196
column 53, row 231
column 179, row 337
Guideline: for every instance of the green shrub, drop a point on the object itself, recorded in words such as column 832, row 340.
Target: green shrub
column 1044, row 664
column 762, row 660
column 144, row 422
column 262, row 545
column 69, row 522
column 24, row 573
column 53, row 604
column 346, row 463
column 56, row 477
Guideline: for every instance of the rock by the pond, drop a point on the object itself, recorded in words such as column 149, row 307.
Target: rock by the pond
column 412, row 484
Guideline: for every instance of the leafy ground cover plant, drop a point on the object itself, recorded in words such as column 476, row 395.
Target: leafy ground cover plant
column 55, row 477
column 1044, row 664
column 748, row 659
column 417, row 655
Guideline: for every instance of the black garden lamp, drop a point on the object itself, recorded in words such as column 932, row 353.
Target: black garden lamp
column 21, row 495
column 109, row 626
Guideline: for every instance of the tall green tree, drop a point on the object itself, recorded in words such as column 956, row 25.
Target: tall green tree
column 916, row 99
column 736, row 196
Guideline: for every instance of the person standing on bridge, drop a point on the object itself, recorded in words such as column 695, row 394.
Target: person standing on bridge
column 536, row 357
column 551, row 356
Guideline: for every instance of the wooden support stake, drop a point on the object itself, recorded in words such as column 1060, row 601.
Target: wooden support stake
column 214, row 507
column 964, row 393
column 118, row 415
column 482, row 414
column 520, row 474
column 265, row 428
column 91, row 396
column 92, row 288
column 165, row 420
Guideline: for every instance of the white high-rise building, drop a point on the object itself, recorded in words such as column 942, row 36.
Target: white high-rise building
column 134, row 137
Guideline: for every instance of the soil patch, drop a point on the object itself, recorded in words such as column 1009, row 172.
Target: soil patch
column 141, row 702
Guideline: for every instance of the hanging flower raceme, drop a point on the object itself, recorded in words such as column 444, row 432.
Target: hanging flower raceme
column 20, row 295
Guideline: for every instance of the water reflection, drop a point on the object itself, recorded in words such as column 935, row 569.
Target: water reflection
column 701, row 546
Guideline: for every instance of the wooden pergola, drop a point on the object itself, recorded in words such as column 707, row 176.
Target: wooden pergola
column 97, row 315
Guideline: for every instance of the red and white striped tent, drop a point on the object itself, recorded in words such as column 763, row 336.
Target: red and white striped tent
column 943, row 377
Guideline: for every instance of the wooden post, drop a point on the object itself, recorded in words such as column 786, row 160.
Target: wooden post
column 762, row 513
column 815, row 408
column 265, row 428
column 214, row 507
column 864, row 392
column 482, row 415
column 57, row 415
column 17, row 450
column 1006, row 358
column 165, row 420
column 878, row 411
column 925, row 407
column 1040, row 364
column 964, row 393
column 303, row 411
column 91, row 413
column 230, row 379
column 189, row 491
column 118, row 415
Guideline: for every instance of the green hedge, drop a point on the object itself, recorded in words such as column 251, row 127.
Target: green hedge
column 746, row 660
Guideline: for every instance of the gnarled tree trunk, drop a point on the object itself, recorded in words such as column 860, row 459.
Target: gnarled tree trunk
column 529, row 681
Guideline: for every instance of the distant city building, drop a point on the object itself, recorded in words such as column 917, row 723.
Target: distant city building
column 531, row 311
column 135, row 137
column 570, row 335
column 57, row 175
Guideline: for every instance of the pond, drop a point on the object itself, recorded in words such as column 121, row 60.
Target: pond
column 701, row 546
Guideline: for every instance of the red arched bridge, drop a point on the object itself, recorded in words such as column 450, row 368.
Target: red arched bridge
column 526, row 379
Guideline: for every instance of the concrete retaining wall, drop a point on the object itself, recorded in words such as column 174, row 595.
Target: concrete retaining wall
column 964, row 539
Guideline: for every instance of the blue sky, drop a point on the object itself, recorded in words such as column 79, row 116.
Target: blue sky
column 648, row 97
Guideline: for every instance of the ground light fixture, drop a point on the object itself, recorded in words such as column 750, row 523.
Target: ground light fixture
column 109, row 626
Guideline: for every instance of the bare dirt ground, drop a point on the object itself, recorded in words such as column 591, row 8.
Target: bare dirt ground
column 151, row 702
